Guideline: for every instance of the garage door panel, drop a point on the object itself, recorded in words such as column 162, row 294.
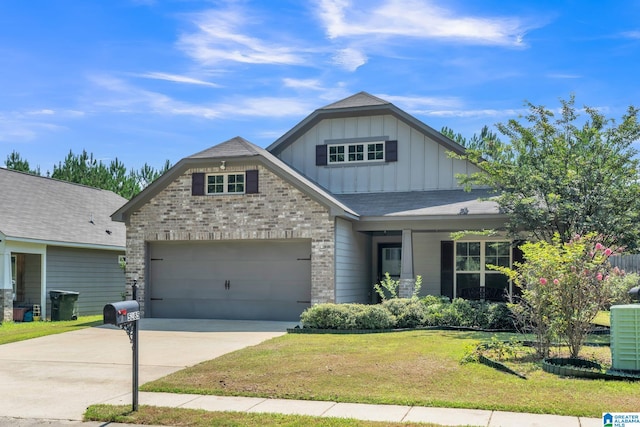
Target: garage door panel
column 266, row 279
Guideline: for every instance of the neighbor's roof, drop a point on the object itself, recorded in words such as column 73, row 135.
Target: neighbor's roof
column 35, row 208
column 235, row 148
column 359, row 105
column 422, row 203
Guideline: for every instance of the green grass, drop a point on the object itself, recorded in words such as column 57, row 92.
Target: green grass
column 20, row 331
column 419, row 368
column 200, row 418
column 603, row 319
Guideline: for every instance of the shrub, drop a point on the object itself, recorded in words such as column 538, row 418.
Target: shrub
column 433, row 299
column 409, row 313
column 347, row 316
column 621, row 283
column 500, row 316
column 388, row 288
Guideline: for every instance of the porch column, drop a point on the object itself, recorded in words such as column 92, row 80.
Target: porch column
column 407, row 280
column 6, row 288
column 43, row 285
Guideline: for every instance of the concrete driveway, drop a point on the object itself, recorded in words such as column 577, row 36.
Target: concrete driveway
column 58, row 376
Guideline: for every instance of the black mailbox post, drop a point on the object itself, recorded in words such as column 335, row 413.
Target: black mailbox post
column 125, row 315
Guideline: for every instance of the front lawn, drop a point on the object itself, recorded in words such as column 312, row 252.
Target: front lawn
column 407, row 368
column 20, row 331
column 200, row 418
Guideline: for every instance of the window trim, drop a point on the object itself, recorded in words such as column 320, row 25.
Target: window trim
column 225, row 183
column 365, row 152
column 483, row 271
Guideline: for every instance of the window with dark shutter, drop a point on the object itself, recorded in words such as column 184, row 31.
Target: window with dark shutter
column 391, row 151
column 446, row 268
column 321, row 155
column 197, row 184
column 252, row 181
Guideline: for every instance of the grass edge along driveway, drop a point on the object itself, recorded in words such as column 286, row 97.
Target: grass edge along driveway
column 418, row 368
column 20, row 331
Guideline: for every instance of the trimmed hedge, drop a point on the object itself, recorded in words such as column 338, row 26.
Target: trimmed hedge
column 347, row 316
column 401, row 313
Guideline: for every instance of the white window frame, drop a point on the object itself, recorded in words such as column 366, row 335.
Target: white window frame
column 354, row 145
column 225, row 183
column 483, row 271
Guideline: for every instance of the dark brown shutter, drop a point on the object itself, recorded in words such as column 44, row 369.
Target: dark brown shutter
column 252, row 181
column 446, row 268
column 197, row 184
column 391, row 151
column 321, row 155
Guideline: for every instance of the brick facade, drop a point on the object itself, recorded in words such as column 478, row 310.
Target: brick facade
column 278, row 211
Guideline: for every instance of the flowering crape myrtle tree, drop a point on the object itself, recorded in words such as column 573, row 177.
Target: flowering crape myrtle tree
column 567, row 175
column 564, row 285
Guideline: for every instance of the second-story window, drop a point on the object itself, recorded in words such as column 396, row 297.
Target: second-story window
column 225, row 183
column 357, row 152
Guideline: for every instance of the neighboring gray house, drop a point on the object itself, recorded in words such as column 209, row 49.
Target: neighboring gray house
column 357, row 189
column 55, row 235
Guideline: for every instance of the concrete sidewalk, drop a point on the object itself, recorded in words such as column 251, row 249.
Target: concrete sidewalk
column 384, row 413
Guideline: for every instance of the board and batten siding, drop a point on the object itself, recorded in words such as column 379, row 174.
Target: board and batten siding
column 422, row 164
column 96, row 274
column 353, row 278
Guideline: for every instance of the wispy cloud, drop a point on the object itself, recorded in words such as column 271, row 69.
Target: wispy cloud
column 18, row 126
column 176, row 78
column 563, row 76
column 122, row 97
column 415, row 102
column 349, row 58
column 473, row 113
column 219, row 37
column 631, row 34
column 417, row 18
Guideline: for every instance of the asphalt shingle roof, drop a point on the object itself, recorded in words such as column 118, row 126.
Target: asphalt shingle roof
column 421, row 203
column 38, row 208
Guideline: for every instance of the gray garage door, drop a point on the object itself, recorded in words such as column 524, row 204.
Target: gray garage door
column 262, row 280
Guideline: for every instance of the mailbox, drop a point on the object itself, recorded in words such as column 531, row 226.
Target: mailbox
column 121, row 312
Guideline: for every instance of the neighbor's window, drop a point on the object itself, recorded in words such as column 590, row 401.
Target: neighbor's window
column 225, row 183
column 358, row 152
column 473, row 279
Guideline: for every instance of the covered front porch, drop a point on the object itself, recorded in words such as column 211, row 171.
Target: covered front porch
column 23, row 279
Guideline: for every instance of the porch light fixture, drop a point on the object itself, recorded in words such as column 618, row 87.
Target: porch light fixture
column 222, row 165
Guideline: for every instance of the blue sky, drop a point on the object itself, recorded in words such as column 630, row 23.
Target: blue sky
column 146, row 80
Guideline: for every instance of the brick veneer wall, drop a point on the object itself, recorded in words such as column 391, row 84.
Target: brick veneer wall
column 278, row 211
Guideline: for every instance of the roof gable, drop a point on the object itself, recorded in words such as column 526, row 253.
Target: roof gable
column 234, row 148
column 359, row 105
column 46, row 209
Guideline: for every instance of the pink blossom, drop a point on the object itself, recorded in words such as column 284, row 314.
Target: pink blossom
column 599, row 276
column 606, row 277
column 543, row 281
column 556, row 281
column 608, row 251
column 599, row 246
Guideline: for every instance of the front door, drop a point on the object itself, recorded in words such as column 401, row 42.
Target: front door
column 389, row 260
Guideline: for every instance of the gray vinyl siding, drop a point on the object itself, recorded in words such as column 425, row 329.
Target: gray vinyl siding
column 422, row 163
column 353, row 278
column 94, row 273
column 426, row 260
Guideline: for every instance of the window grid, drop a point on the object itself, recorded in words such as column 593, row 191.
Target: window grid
column 225, row 184
column 471, row 260
column 355, row 153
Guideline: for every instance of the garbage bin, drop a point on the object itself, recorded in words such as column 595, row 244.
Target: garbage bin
column 64, row 305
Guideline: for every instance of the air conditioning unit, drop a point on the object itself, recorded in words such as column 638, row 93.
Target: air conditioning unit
column 625, row 337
